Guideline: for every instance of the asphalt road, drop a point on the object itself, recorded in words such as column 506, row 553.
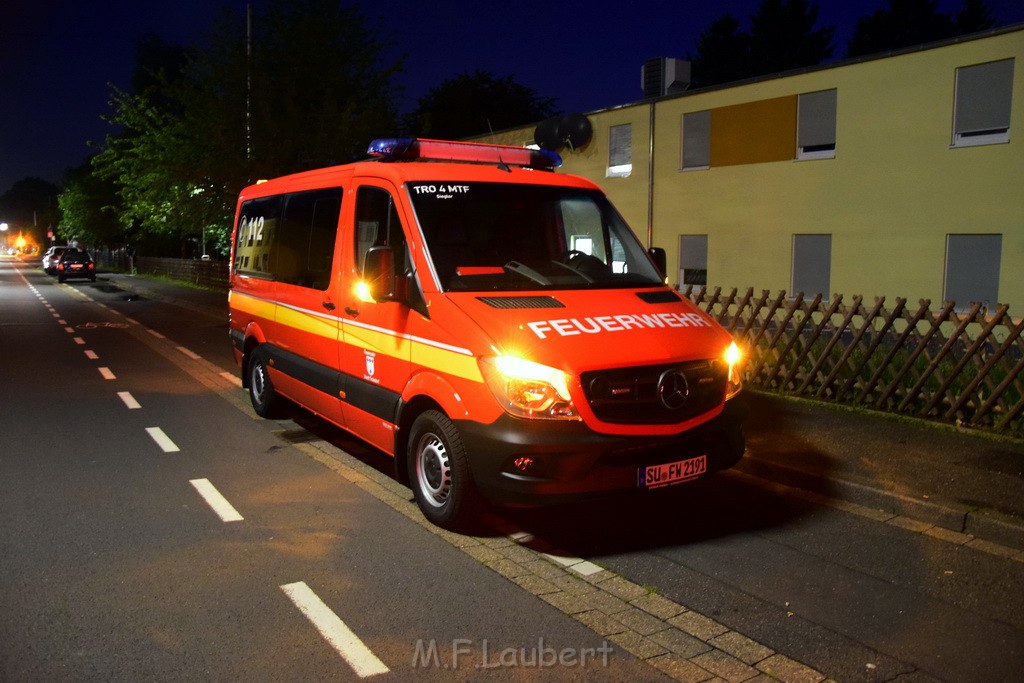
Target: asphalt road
column 113, row 566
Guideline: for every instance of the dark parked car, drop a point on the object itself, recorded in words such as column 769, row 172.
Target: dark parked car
column 75, row 263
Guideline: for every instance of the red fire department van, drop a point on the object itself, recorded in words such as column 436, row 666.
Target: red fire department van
column 491, row 324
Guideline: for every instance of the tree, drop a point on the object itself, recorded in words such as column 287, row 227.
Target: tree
column 145, row 163
column 89, row 209
column 320, row 93
column 158, row 63
column 474, row 104
column 723, row 54
column 974, row 16
column 312, row 94
column 903, row 23
column 782, row 37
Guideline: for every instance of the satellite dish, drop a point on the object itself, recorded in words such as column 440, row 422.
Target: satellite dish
column 575, row 130
column 547, row 135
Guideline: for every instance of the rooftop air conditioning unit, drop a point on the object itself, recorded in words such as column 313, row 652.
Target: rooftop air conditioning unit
column 664, row 76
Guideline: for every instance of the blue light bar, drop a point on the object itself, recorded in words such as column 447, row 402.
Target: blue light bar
column 419, row 149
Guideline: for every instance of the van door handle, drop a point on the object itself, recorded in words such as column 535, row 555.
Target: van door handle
column 329, row 306
column 352, row 311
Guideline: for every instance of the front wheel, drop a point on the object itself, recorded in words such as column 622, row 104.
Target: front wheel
column 439, row 472
column 265, row 400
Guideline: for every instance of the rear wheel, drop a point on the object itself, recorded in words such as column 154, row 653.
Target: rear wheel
column 265, row 400
column 439, row 472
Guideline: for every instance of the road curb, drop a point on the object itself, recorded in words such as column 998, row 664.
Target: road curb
column 140, row 287
column 986, row 525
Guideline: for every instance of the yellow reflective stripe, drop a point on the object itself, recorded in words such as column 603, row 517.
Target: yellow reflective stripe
column 376, row 340
column 308, row 322
column 261, row 308
column 422, row 353
column 443, row 360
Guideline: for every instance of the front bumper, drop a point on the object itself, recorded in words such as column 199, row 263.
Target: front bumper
column 569, row 461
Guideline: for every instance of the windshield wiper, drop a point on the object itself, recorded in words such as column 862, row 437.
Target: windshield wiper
column 527, row 272
column 575, row 271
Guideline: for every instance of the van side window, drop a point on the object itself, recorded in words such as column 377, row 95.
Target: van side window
column 305, row 246
column 257, row 224
column 377, row 225
column 289, row 238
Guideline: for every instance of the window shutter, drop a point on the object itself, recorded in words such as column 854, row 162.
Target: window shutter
column 983, row 94
column 697, row 139
column 817, row 119
column 620, row 144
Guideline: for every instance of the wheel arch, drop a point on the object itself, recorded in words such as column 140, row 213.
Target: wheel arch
column 253, row 336
column 408, row 412
column 425, row 391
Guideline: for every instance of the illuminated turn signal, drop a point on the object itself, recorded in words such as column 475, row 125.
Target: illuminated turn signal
column 363, row 292
column 732, row 357
column 732, row 354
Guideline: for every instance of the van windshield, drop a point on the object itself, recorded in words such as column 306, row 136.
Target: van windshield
column 504, row 236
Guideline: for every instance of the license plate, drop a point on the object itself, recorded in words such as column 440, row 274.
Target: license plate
column 656, row 476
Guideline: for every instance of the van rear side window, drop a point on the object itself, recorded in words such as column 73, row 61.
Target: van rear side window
column 290, row 237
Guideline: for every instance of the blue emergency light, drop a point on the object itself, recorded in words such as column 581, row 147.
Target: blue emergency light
column 420, row 149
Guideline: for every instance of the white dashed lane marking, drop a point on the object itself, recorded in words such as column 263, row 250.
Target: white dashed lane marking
column 162, row 440
column 215, row 500
column 191, row 354
column 342, row 639
column 129, row 400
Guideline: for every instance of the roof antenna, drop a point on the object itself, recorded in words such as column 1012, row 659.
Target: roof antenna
column 501, row 164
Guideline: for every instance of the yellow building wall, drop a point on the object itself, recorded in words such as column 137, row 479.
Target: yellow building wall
column 893, row 192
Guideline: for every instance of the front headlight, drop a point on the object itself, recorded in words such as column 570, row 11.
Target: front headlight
column 528, row 389
column 733, row 357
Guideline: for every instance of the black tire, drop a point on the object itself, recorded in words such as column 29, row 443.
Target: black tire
column 439, row 473
column 265, row 400
column 60, row 278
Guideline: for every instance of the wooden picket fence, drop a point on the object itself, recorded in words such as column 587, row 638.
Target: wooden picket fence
column 951, row 365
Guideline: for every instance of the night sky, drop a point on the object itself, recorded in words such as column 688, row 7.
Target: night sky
column 57, row 56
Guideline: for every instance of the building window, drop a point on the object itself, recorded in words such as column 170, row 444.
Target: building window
column 620, row 151
column 972, row 269
column 693, row 260
column 696, row 152
column 816, row 125
column 981, row 113
column 812, row 264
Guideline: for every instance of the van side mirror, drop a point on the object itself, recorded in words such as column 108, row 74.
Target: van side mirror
column 657, row 255
column 379, row 273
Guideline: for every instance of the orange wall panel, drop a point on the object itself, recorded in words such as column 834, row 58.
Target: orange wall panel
column 754, row 132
